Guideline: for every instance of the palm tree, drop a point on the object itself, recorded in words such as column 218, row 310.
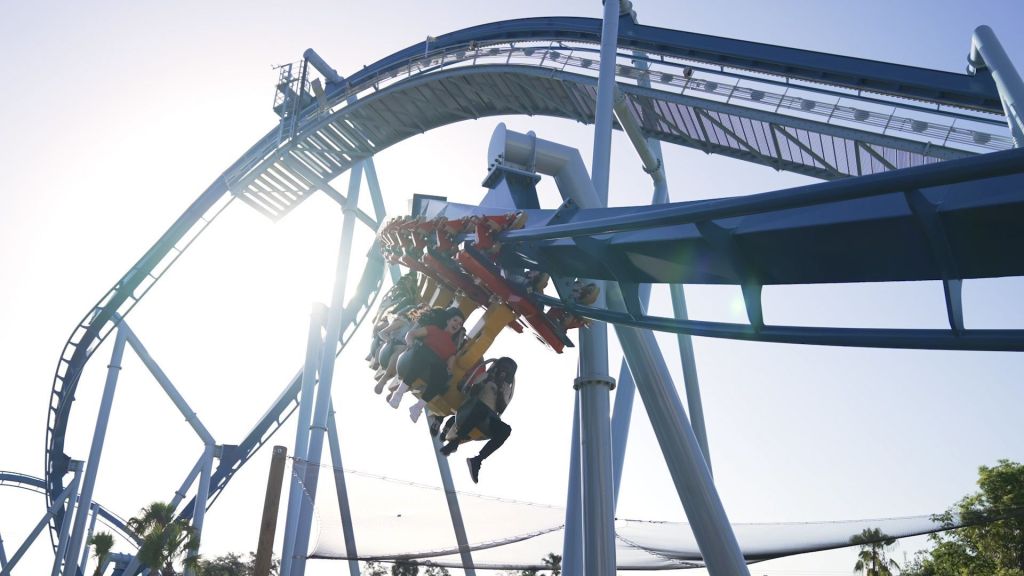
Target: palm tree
column 102, row 543
column 164, row 539
column 872, row 560
column 553, row 562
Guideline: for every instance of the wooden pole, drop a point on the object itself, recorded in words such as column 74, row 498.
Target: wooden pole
column 268, row 526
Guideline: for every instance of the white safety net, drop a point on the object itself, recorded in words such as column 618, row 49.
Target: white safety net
column 395, row 519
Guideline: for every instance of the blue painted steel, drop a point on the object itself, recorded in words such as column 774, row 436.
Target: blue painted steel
column 97, row 325
column 988, row 55
column 973, row 92
column 622, row 412
column 690, row 474
column 65, row 526
column 572, row 543
column 314, row 347
column 332, row 334
column 95, row 451
column 84, row 560
column 1008, row 162
column 694, row 406
column 924, row 339
column 233, row 459
column 801, row 235
column 341, row 488
column 977, row 92
column 985, row 194
column 57, row 502
column 454, row 510
column 27, row 482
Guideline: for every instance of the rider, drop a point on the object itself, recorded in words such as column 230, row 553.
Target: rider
column 431, row 353
column 392, row 338
column 486, row 400
column 401, row 297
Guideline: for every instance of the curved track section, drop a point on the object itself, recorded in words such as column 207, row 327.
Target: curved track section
column 100, row 321
column 951, row 221
column 704, row 94
column 113, row 521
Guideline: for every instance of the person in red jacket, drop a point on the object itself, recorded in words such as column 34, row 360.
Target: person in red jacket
column 431, row 354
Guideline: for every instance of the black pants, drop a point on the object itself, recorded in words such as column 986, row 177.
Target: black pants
column 498, row 433
column 479, row 415
column 425, row 365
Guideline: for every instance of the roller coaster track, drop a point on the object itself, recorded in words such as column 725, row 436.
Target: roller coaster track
column 34, row 484
column 816, row 114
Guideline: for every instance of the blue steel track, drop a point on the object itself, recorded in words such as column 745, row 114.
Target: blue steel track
column 939, row 251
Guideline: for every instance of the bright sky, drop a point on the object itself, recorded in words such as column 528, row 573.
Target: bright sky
column 118, row 114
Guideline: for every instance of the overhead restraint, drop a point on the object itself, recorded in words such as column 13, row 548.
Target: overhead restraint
column 470, row 278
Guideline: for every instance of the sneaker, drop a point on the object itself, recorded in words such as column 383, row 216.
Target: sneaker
column 435, row 424
column 396, row 397
column 380, row 386
column 474, row 469
column 415, row 410
column 449, row 447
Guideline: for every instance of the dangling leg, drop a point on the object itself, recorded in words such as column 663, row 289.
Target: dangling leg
column 499, row 432
column 416, row 409
column 395, row 399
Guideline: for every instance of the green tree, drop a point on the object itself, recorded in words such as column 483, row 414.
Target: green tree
column 234, row 565
column 102, row 543
column 405, row 568
column 552, row 562
column 402, row 568
column 872, row 559
column 165, row 539
column 991, row 539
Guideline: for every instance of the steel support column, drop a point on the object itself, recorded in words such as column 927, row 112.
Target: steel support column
column 679, row 446
column 75, row 466
column 83, row 562
column 3, row 553
column 180, row 494
column 376, row 198
column 334, row 442
column 378, row 205
column 988, row 52
column 601, row 165
column 161, row 378
column 327, row 360
column 202, row 495
column 314, row 344
column 651, row 156
column 454, row 510
column 57, row 503
column 596, row 466
column 572, row 544
column 95, row 451
column 593, row 384
column 690, row 381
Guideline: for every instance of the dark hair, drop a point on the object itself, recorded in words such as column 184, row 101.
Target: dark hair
column 505, row 366
column 439, row 317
